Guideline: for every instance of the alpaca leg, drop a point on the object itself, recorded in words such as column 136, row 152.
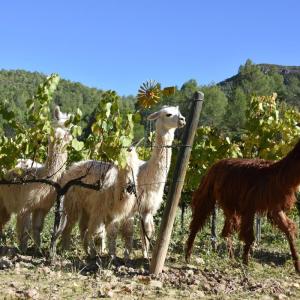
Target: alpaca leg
column 88, row 242
column 287, row 226
column 226, row 234
column 66, row 233
column 23, row 228
column 4, row 218
column 247, row 235
column 100, row 238
column 127, row 233
column 230, row 225
column 147, row 229
column 112, row 232
column 103, row 240
column 195, row 226
column 38, row 217
column 83, row 228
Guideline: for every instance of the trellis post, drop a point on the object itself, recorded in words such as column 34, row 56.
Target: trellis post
column 214, row 229
column 161, row 247
column 258, row 229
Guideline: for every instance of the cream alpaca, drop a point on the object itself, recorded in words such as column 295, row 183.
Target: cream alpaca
column 96, row 209
column 35, row 198
column 27, row 163
column 151, row 179
column 40, row 211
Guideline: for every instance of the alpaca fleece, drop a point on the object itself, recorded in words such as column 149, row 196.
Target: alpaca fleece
column 36, row 198
column 243, row 187
column 151, row 178
column 95, row 209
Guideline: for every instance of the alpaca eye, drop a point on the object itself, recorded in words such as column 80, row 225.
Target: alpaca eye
column 168, row 115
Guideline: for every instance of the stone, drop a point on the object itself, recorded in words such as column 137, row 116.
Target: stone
column 156, row 284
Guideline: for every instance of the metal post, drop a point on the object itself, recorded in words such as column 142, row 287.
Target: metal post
column 258, row 229
column 162, row 243
column 214, row 229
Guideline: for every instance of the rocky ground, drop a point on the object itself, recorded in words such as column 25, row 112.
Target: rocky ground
column 211, row 277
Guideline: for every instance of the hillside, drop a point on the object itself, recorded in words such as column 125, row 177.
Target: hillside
column 224, row 107
column 267, row 68
column 287, row 77
column 17, row 86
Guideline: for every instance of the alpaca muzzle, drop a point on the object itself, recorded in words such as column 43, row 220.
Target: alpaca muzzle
column 181, row 123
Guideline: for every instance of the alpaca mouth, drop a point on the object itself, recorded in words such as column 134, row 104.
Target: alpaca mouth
column 181, row 124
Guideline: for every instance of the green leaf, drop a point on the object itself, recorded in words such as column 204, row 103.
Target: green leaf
column 77, row 145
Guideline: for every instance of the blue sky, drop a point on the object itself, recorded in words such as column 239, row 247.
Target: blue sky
column 119, row 44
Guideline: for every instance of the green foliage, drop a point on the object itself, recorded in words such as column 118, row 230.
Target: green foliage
column 26, row 141
column 258, row 80
column 214, row 106
column 270, row 132
column 111, row 132
column 252, row 80
column 235, row 116
column 210, row 145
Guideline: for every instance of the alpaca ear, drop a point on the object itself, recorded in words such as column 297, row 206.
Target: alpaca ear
column 57, row 112
column 153, row 116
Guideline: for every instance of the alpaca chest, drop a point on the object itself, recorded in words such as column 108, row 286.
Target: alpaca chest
column 151, row 197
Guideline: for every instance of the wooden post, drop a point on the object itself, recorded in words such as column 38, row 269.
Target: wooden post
column 161, row 247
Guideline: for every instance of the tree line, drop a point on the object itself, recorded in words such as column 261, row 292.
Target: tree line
column 225, row 103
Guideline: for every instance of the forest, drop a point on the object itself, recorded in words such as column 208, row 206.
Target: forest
column 225, row 105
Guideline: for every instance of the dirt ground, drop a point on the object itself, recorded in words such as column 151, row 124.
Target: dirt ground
column 270, row 276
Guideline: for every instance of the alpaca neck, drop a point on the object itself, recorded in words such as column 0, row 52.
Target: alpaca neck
column 288, row 169
column 161, row 154
column 55, row 164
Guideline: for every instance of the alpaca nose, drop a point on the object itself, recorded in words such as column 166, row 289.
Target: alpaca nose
column 181, row 121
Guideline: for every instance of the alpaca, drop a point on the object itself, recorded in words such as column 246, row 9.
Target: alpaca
column 243, row 187
column 27, row 163
column 40, row 211
column 151, row 179
column 60, row 118
column 35, row 198
column 96, row 209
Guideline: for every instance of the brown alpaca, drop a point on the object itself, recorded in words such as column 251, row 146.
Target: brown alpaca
column 243, row 187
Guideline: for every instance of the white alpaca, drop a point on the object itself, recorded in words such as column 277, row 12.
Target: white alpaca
column 96, row 209
column 60, row 118
column 151, row 179
column 35, row 198
column 24, row 163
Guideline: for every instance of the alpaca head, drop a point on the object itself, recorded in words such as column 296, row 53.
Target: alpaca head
column 132, row 157
column 59, row 117
column 167, row 118
column 59, row 141
column 132, row 165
